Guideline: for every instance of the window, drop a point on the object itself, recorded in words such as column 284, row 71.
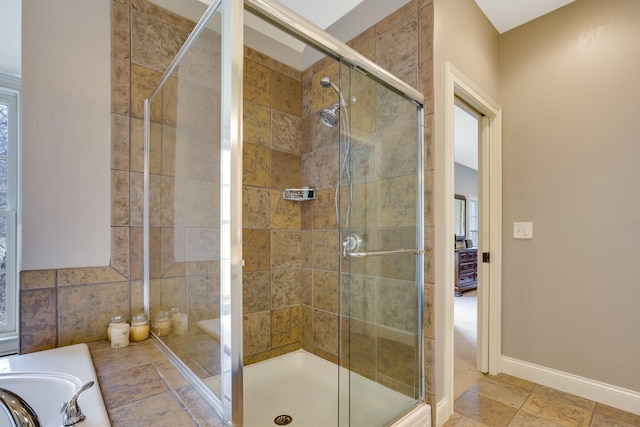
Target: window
column 9, row 153
column 473, row 220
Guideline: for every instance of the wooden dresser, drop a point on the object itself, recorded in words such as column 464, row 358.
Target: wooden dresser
column 466, row 270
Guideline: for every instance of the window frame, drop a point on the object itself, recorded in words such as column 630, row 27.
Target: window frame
column 473, row 216
column 10, row 94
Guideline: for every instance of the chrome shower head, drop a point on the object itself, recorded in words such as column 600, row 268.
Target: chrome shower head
column 325, row 82
column 330, row 115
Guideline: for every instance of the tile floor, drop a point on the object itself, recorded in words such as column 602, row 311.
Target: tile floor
column 503, row 400
column 142, row 388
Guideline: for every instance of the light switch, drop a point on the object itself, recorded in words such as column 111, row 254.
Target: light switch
column 523, row 230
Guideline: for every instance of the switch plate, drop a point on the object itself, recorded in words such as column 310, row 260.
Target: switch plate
column 523, row 230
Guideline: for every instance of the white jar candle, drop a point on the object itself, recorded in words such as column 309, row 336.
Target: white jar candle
column 180, row 323
column 119, row 335
column 114, row 320
column 162, row 324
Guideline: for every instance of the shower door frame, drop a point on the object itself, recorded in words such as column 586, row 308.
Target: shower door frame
column 230, row 403
column 314, row 36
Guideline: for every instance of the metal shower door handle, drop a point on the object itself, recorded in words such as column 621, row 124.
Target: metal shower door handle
column 381, row 253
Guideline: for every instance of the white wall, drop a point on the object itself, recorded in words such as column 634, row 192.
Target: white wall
column 66, row 133
column 465, row 181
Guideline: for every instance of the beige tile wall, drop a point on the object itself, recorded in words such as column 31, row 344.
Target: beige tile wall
column 290, row 280
column 272, row 235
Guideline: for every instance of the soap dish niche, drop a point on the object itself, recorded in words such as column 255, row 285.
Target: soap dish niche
column 299, row 194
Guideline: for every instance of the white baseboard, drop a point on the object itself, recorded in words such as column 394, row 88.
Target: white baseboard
column 617, row 397
column 443, row 412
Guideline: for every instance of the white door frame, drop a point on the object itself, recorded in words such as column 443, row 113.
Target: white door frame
column 489, row 295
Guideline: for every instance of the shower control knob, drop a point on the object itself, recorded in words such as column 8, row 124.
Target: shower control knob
column 352, row 243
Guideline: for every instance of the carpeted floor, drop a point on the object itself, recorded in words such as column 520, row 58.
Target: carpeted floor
column 465, row 330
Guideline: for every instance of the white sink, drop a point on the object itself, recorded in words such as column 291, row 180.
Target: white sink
column 47, row 379
column 42, row 391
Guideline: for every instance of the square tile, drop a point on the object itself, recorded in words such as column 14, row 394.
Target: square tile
column 256, row 125
column 325, row 331
column 325, row 290
column 285, row 249
column 524, row 419
column 255, row 249
column 256, row 295
column 131, row 385
column 285, row 170
column 285, row 287
column 484, row 410
column 257, row 83
column 502, row 392
column 286, row 93
column 606, row 416
column 84, row 311
column 257, row 332
column 37, row 279
column 286, row 326
column 285, row 214
column 38, row 320
column 286, row 132
column 559, row 407
column 162, row 410
column 256, row 165
column 457, row 420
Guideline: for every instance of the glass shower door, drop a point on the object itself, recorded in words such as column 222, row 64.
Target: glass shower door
column 192, row 261
column 382, row 253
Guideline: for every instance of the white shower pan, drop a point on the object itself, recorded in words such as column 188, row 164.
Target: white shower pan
column 304, row 387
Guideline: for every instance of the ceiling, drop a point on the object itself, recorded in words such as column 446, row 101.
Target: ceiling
column 465, row 138
column 342, row 18
column 503, row 14
column 508, row 14
column 345, row 19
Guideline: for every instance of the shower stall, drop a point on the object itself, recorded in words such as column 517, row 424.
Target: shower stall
column 283, row 226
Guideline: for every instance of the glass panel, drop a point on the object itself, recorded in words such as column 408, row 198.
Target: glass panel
column 381, row 206
column 3, row 271
column 4, row 129
column 4, row 185
column 4, row 194
column 184, row 193
column 4, row 148
column 9, row 119
column 473, row 221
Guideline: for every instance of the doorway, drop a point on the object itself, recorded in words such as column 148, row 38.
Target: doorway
column 467, row 121
column 457, row 85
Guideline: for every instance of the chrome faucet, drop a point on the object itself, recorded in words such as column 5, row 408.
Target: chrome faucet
column 72, row 413
column 18, row 411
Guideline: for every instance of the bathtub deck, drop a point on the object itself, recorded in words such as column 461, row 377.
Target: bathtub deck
column 75, row 361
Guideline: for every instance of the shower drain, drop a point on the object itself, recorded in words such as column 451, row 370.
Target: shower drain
column 283, row 420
